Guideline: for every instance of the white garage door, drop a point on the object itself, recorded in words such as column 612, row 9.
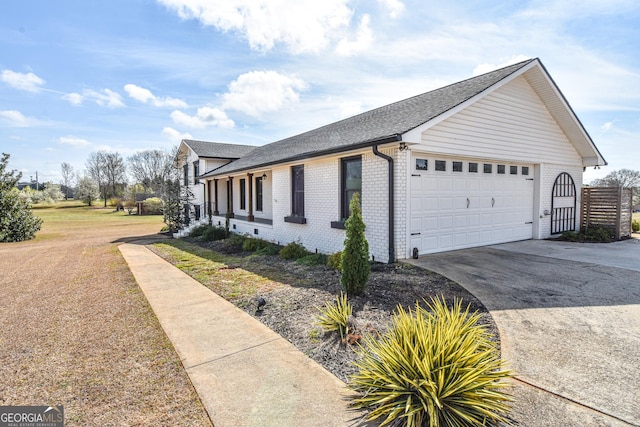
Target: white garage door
column 459, row 204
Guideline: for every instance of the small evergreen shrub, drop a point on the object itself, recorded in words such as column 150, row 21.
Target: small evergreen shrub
column 635, row 226
column 293, row 250
column 335, row 261
column 334, row 316
column 235, row 242
column 313, row 259
column 199, row 230
column 592, row 234
column 214, row 233
column 355, row 264
column 252, row 244
column 270, row 249
column 435, row 367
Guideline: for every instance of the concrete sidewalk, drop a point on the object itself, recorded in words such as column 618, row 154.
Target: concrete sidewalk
column 246, row 374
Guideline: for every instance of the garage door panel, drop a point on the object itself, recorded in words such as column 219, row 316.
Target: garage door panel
column 454, row 210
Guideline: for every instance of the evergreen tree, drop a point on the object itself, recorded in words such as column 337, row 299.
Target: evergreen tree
column 17, row 221
column 355, row 256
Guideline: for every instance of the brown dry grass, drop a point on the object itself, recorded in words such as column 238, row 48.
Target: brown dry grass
column 76, row 330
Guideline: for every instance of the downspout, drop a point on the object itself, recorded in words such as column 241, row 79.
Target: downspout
column 391, row 203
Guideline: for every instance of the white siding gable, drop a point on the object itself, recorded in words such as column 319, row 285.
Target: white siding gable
column 511, row 123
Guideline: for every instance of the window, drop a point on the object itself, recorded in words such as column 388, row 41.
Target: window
column 441, row 165
column 186, row 174
column 525, row 170
column 297, row 191
column 422, row 164
column 196, row 171
column 457, row 166
column 259, row 194
column 473, row 167
column 513, row 170
column 243, row 193
column 488, row 168
column 501, row 169
column 351, row 177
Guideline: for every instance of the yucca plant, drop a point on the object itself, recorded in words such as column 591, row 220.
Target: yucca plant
column 334, row 316
column 435, row 367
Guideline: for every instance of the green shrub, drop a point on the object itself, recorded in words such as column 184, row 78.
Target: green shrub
column 153, row 206
column 252, row 244
column 199, row 230
column 270, row 249
column 214, row 233
column 355, row 264
column 235, row 241
column 335, row 261
column 435, row 368
column 313, row 259
column 598, row 233
column 293, row 250
column 635, row 226
column 334, row 316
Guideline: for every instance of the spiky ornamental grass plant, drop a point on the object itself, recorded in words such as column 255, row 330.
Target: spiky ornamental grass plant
column 355, row 264
column 435, row 367
column 335, row 316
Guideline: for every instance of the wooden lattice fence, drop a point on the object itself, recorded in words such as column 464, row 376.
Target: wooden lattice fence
column 609, row 207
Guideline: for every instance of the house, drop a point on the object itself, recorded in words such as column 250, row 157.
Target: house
column 198, row 157
column 492, row 159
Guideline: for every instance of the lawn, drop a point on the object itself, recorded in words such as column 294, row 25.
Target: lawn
column 76, row 330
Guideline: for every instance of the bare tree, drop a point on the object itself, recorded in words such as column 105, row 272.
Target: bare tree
column 151, row 168
column 108, row 171
column 67, row 178
column 621, row 178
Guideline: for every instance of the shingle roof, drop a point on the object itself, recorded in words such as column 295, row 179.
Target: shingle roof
column 370, row 127
column 218, row 150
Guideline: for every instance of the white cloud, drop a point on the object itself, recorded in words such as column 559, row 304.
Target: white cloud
column 302, row 26
column 349, row 46
column 205, row 116
column 73, row 141
column 145, row 96
column 17, row 119
column 395, row 7
column 486, row 67
column 29, row 82
column 74, row 98
column 258, row 92
column 105, row 98
column 350, row 108
column 175, row 136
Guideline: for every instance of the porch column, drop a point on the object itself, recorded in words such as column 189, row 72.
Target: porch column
column 216, row 212
column 230, row 196
column 209, row 213
column 250, row 179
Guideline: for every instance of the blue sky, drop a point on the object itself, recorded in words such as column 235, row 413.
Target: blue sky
column 128, row 75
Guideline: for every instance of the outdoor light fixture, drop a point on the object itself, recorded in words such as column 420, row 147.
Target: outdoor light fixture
column 264, row 176
column 403, row 146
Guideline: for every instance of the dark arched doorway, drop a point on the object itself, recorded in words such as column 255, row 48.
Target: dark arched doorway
column 563, row 204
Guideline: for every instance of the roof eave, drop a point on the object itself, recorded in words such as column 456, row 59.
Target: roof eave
column 309, row 155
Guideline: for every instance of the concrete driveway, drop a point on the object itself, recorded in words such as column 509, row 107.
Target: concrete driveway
column 569, row 322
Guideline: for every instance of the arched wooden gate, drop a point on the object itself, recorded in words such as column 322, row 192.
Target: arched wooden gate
column 563, row 204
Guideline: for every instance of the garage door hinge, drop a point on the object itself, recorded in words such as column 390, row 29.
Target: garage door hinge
column 415, row 174
column 529, row 179
column 415, row 234
column 529, row 222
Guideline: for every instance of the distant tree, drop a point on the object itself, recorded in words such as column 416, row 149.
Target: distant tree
column 17, row 221
column 355, row 255
column 87, row 190
column 109, row 172
column 151, row 168
column 67, row 179
column 621, row 178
